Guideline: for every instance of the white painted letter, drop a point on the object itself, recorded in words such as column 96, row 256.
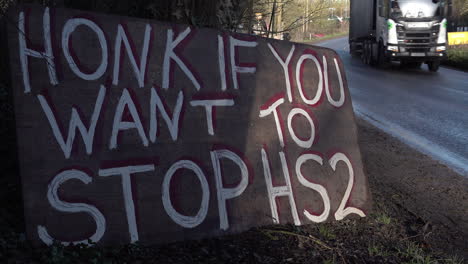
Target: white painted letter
column 222, row 63
column 171, row 44
column 227, row 193
column 273, row 108
column 332, row 101
column 24, row 51
column 274, row 192
column 316, row 187
column 55, row 202
column 139, row 70
column 68, row 29
column 299, row 66
column 209, row 105
column 301, row 143
column 235, row 69
column 172, row 124
column 183, row 220
column 126, row 173
column 341, row 212
column 75, row 123
column 285, row 65
column 126, row 101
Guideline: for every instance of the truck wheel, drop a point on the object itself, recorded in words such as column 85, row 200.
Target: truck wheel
column 374, row 56
column 364, row 52
column 352, row 49
column 369, row 53
column 433, row 65
column 381, row 60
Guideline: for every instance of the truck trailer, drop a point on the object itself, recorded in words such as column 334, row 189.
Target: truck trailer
column 410, row 31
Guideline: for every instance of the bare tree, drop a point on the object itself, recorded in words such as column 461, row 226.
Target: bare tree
column 282, row 16
column 460, row 7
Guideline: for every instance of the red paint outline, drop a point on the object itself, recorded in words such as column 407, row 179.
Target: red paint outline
column 330, row 154
column 269, row 103
column 81, row 67
column 127, row 114
column 213, row 96
column 275, row 184
column 250, row 170
column 237, row 63
column 290, row 69
column 301, row 75
column 308, row 208
column 343, row 76
column 86, row 122
column 169, row 112
column 133, row 49
column 227, row 61
column 176, row 177
column 314, row 120
column 178, row 51
column 87, row 201
column 135, row 192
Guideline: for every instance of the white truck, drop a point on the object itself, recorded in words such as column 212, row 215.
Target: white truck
column 410, row 31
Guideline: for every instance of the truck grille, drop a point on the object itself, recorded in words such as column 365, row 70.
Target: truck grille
column 418, row 35
column 417, row 49
column 417, row 40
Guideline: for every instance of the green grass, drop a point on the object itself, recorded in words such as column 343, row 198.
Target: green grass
column 326, row 232
column 384, row 219
column 326, row 37
column 416, row 254
column 377, row 250
column 457, row 57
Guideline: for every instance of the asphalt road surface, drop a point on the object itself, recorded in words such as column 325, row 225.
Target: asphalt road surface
column 428, row 111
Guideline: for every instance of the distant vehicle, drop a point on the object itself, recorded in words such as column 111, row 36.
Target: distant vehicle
column 410, row 31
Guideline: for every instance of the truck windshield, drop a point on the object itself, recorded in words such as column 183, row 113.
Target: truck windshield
column 416, row 8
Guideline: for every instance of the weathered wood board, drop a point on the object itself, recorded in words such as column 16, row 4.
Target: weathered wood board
column 134, row 130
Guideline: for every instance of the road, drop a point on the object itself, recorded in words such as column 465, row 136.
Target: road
column 428, row 111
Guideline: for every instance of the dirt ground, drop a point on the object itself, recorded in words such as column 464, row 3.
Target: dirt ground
column 425, row 188
column 420, row 215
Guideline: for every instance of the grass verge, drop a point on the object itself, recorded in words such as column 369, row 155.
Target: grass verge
column 457, row 57
column 326, row 37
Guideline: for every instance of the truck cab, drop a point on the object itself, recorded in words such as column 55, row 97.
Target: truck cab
column 409, row 31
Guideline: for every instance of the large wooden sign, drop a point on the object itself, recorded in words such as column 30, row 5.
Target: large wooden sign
column 134, row 130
